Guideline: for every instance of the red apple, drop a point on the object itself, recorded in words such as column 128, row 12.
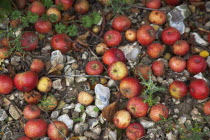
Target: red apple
column 24, row 138
column 4, row 52
column 155, row 50
column 61, row 42
column 35, row 128
column 135, row 131
column 26, row 81
column 21, row 4
column 177, row 64
column 131, row 35
column 137, row 107
column 121, row 23
column 37, row 7
column 37, row 65
column 196, row 64
column 112, row 38
column 6, row 84
column 157, row 17
column 112, row 55
column 130, row 87
column 54, row 11
column 181, row 47
column 209, row 37
column 142, row 70
column 122, row 119
column 32, row 97
column 66, row 4
column 178, row 89
column 206, row 108
column 146, row 34
column 172, row 2
column 81, row 6
column 43, row 26
column 170, row 35
column 158, row 112
column 29, row 41
column 199, row 89
column 55, row 129
column 154, row 4
column 158, row 68
column 94, row 67
column 31, row 112
column 117, row 70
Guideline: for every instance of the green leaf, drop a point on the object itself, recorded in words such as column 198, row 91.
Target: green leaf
column 59, row 6
column 96, row 17
column 24, row 22
column 47, row 3
column 72, row 30
column 15, row 15
column 52, row 17
column 32, row 17
column 87, row 21
column 96, row 109
column 82, row 108
column 44, row 17
column 60, row 28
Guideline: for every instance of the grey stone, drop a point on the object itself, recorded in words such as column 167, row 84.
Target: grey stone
column 111, row 83
column 55, row 114
column 7, row 134
column 3, row 115
column 182, row 120
column 80, row 79
column 45, row 138
column 147, row 124
column 102, row 96
column 171, row 136
column 97, row 129
column 85, row 55
column 65, row 118
column 208, row 61
column 199, row 40
column 92, row 123
column 68, row 71
column 15, row 112
column 80, row 128
column 70, row 60
column 69, row 106
column 91, row 135
column 58, row 85
column 77, row 107
column 207, row 5
column 91, row 111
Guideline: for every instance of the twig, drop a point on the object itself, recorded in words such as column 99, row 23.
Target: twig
column 145, row 8
column 62, row 76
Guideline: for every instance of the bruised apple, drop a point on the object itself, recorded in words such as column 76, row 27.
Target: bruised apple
column 146, row 34
column 137, row 107
column 131, row 35
column 158, row 68
column 6, row 84
column 29, row 41
column 37, row 65
column 121, row 23
column 155, row 50
column 44, row 84
column 130, row 87
column 57, row 130
column 196, row 64
column 170, row 35
column 26, row 81
column 142, row 70
column 157, row 17
column 32, row 97
column 199, row 89
column 61, row 42
column 122, row 119
column 177, row 64
column 101, row 48
column 117, row 70
column 94, row 67
column 206, row 108
column 135, row 131
column 49, row 103
column 112, row 38
column 178, row 89
column 158, row 112
column 31, row 112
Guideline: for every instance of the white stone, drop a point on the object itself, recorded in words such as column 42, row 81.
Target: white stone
column 147, row 124
column 199, row 39
column 65, row 118
column 77, row 107
column 90, row 110
column 102, row 96
column 3, row 115
column 69, row 106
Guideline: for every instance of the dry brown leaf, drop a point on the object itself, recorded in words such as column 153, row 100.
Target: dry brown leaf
column 11, row 70
column 109, row 111
column 57, row 68
column 82, row 39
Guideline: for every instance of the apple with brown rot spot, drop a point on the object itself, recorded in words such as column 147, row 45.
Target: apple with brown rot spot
column 154, row 4
column 32, row 97
column 158, row 112
column 178, row 89
column 117, row 70
column 43, row 26
column 135, row 131
column 146, row 34
column 122, row 119
column 143, row 70
column 155, row 50
column 131, row 35
column 177, row 64
column 101, row 48
column 82, row 6
column 157, row 17
column 29, row 41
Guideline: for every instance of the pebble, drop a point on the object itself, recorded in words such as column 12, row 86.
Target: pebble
column 12, row 97
column 84, row 115
column 15, row 60
column 91, row 111
column 176, row 111
column 206, row 129
column 46, row 49
column 65, row 118
column 70, row 60
column 207, row 5
column 147, row 124
column 80, row 128
column 55, row 114
column 92, row 123
column 7, row 134
column 111, row 83
column 16, row 114
column 75, row 115
column 171, row 136
column 199, row 40
column 196, row 116
column 45, row 138
column 69, row 106
column 102, row 96
column 208, row 61
column 57, row 85
column 97, row 129
column 61, row 104
column 80, row 79
column 182, row 120
column 91, row 135
column 77, row 107
column 85, row 55
column 3, row 115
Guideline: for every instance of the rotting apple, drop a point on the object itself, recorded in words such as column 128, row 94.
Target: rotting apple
column 94, row 67
column 57, row 130
column 155, row 50
column 52, row 11
column 135, row 131
column 31, row 112
column 146, row 34
column 178, row 89
column 35, row 128
column 131, row 35
column 196, row 64
column 158, row 112
column 61, row 42
column 117, row 70
column 6, row 84
column 154, row 4
column 37, row 65
column 85, row 98
column 122, row 119
column 48, row 104
column 37, row 7
column 206, row 108
column 121, row 23
column 177, row 64
column 24, row 138
column 101, row 48
column 4, row 52
column 143, row 70
column 43, row 26
column 82, row 6
column 181, row 47
column 137, row 107
column 113, row 55
column 172, row 2
column 44, row 84
column 26, row 81
column 199, row 89
column 170, row 35
column 29, row 41
column 158, row 68
column 157, row 17
column 130, row 87
column 65, row 4
column 112, row 38
column 32, row 97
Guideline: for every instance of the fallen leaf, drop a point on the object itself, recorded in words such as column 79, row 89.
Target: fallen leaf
column 109, row 111
column 56, row 68
column 82, row 39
